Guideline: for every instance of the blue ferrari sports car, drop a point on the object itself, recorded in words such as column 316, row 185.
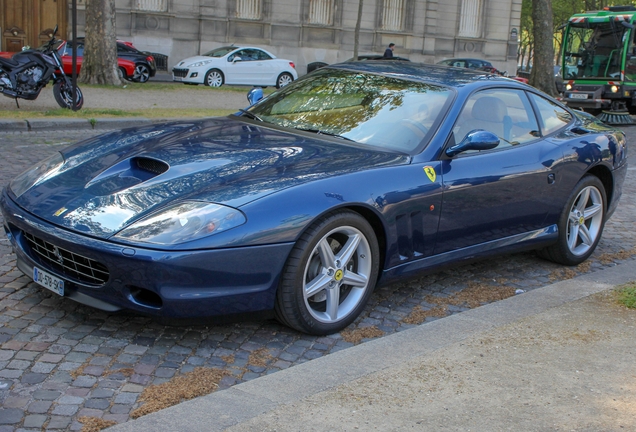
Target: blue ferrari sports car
column 352, row 176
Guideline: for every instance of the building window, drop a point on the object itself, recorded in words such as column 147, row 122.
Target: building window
column 248, row 9
column 321, row 12
column 151, row 5
column 393, row 15
column 470, row 19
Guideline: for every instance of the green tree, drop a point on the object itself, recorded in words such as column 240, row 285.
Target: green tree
column 99, row 65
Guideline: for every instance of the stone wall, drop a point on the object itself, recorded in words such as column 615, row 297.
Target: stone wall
column 430, row 30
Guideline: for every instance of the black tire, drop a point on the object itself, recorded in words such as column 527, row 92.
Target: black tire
column 214, row 78
column 580, row 224
column 63, row 94
column 320, row 260
column 142, row 73
column 284, row 79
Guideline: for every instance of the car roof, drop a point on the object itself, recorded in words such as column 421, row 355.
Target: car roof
column 428, row 73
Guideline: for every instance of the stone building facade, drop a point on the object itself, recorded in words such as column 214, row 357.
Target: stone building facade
column 306, row 31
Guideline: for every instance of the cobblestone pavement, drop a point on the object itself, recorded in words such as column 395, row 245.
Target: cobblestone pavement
column 60, row 360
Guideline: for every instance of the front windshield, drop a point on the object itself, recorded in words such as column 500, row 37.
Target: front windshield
column 219, row 52
column 385, row 112
column 594, row 50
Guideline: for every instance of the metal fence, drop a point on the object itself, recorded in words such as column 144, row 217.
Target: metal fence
column 161, row 61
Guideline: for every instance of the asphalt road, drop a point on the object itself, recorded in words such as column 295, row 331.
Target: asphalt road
column 61, row 361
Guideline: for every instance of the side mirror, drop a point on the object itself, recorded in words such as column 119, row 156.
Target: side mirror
column 254, row 95
column 236, row 59
column 477, row 139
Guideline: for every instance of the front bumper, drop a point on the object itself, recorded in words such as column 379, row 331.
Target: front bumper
column 187, row 75
column 172, row 284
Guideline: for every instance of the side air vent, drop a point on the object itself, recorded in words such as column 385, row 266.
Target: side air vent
column 153, row 166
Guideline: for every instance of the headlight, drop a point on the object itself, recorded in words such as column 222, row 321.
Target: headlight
column 614, row 89
column 198, row 64
column 39, row 173
column 568, row 86
column 183, row 222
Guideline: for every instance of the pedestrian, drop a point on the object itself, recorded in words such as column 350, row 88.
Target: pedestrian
column 388, row 53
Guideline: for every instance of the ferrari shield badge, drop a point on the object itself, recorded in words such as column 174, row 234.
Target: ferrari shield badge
column 430, row 173
column 60, row 211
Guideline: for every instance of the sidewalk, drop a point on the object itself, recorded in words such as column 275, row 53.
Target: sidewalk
column 560, row 357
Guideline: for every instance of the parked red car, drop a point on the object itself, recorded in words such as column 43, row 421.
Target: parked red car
column 126, row 67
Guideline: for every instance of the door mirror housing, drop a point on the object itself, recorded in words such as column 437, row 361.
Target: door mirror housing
column 477, row 139
column 254, row 95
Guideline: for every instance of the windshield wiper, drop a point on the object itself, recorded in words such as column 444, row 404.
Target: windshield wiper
column 320, row 132
column 250, row 114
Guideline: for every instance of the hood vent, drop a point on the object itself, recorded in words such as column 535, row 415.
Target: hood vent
column 153, row 166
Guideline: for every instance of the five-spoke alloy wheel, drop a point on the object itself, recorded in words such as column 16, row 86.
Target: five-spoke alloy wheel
column 330, row 274
column 581, row 223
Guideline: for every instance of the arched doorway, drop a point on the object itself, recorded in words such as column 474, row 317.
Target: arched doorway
column 30, row 22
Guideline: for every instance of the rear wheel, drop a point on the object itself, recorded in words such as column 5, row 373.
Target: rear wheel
column 63, row 94
column 580, row 225
column 330, row 274
column 142, row 73
column 214, row 78
column 284, row 79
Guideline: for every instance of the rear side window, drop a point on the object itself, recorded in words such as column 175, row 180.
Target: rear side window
column 551, row 116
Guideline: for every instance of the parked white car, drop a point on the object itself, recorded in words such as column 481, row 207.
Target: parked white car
column 235, row 65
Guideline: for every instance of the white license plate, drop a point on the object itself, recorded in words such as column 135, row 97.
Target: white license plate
column 48, row 281
column 578, row 96
column 176, row 78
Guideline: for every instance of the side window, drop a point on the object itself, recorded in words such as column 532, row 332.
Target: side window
column 238, row 55
column 551, row 116
column 262, row 55
column 250, row 55
column 505, row 112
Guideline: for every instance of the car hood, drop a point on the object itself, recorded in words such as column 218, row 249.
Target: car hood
column 108, row 182
column 190, row 60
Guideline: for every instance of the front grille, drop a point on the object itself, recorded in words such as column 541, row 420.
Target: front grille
column 181, row 73
column 67, row 263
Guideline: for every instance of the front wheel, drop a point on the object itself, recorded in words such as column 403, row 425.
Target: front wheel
column 214, row 78
column 581, row 223
column 63, row 94
column 284, row 79
column 329, row 275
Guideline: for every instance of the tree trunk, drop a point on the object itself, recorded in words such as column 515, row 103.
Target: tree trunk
column 100, row 44
column 356, row 37
column 542, row 75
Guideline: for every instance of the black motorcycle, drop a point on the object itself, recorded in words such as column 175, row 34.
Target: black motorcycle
column 26, row 73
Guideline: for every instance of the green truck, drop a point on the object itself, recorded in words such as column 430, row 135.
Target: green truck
column 599, row 63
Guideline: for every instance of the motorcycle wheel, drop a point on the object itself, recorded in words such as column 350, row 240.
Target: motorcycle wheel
column 63, row 94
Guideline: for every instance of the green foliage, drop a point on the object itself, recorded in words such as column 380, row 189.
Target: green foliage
column 626, row 295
